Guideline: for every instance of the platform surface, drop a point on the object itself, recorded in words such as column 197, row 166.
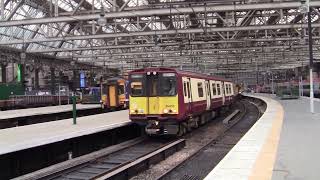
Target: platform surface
column 298, row 152
column 277, row 147
column 24, row 137
column 9, row 114
column 242, row 161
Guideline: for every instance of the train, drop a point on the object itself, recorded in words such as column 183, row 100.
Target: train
column 114, row 93
column 167, row 101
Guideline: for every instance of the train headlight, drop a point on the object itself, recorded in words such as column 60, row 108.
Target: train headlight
column 141, row 111
column 148, row 73
column 174, row 111
column 156, row 123
column 132, row 111
column 165, row 111
column 154, row 73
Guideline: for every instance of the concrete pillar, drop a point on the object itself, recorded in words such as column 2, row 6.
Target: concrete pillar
column 53, row 80
column 36, row 78
column 3, row 73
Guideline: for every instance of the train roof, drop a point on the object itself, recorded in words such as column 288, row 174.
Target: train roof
column 186, row 73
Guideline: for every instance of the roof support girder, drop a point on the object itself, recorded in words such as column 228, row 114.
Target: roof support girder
column 163, row 32
column 159, row 12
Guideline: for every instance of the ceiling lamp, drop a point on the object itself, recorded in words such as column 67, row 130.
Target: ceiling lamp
column 102, row 21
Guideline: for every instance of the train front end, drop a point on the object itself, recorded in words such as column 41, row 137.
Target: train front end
column 154, row 101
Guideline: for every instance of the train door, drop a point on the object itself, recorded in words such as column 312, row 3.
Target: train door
column 208, row 97
column 223, row 93
column 152, row 93
column 112, row 96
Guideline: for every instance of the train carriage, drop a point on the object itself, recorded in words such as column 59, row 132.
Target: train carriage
column 168, row 101
column 113, row 93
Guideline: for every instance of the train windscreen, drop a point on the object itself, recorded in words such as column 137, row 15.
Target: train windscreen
column 137, row 85
column 168, row 84
column 157, row 84
column 161, row 84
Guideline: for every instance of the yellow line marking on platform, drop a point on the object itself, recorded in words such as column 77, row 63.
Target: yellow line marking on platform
column 263, row 167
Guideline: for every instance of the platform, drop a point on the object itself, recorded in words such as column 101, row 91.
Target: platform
column 264, row 153
column 24, row 137
column 17, row 113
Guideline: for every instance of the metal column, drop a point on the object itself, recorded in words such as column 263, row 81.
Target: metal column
column 53, row 80
column 311, row 62
column 36, row 79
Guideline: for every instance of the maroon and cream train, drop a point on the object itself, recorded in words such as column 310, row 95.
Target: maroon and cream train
column 168, row 101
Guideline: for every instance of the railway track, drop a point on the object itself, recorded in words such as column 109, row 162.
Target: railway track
column 196, row 166
column 118, row 162
column 214, row 133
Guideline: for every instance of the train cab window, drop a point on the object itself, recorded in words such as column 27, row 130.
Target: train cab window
column 218, row 89
column 214, row 89
column 168, row 84
column 137, row 85
column 200, row 89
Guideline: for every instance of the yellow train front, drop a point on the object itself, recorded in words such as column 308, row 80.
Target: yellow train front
column 114, row 94
column 154, row 100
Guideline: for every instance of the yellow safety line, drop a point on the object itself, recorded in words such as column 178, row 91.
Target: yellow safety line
column 263, row 166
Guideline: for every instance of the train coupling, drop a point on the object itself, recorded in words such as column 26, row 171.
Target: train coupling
column 155, row 127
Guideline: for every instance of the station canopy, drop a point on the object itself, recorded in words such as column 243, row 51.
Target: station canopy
column 209, row 36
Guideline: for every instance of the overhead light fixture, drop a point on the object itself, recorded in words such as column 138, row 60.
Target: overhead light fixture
column 102, row 21
column 304, row 7
column 23, row 57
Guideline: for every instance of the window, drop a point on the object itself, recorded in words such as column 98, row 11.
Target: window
column 188, row 87
column 219, row 89
column 227, row 88
column 214, row 89
column 200, row 89
column 184, row 89
column 121, row 89
column 168, row 84
column 136, row 85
